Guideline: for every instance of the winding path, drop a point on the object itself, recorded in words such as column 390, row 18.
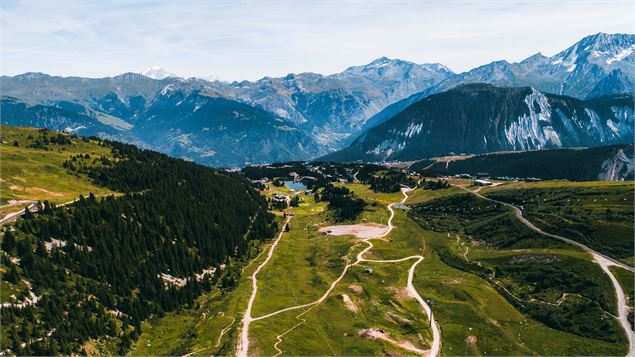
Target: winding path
column 31, row 205
column 243, row 345
column 604, row 261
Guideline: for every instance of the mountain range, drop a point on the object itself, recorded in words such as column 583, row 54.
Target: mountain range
column 306, row 115
column 479, row 118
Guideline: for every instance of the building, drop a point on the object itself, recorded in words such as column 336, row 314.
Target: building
column 483, row 183
column 463, row 176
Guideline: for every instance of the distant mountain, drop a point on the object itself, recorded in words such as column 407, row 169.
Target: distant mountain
column 326, row 112
column 609, row 163
column 478, row 118
column 597, row 65
column 219, row 131
column 335, row 107
column 211, row 130
column 156, row 72
column 614, row 82
column 293, row 117
column 575, row 71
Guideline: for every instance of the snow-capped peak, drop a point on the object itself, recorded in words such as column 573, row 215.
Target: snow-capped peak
column 597, row 48
column 437, row 67
column 381, row 61
column 210, row 78
column 156, row 72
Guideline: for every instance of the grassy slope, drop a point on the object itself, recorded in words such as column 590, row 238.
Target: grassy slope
column 579, row 211
column 37, row 174
column 466, row 305
column 627, row 281
column 300, row 271
column 330, row 327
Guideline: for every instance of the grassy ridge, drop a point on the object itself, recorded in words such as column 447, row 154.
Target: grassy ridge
column 36, row 173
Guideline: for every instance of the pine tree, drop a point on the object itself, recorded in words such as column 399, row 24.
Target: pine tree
column 12, row 276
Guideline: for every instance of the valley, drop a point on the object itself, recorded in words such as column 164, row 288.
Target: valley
column 414, row 264
column 391, row 208
column 368, row 281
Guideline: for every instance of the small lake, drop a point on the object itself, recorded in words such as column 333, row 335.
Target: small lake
column 295, row 185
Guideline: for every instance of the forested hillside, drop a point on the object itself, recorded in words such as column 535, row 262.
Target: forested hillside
column 87, row 274
column 610, row 163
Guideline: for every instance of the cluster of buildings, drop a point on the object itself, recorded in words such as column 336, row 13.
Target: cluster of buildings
column 481, row 179
column 279, row 198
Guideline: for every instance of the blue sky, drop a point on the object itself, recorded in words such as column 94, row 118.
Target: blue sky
column 237, row 40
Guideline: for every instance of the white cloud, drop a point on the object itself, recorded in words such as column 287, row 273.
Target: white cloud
column 248, row 40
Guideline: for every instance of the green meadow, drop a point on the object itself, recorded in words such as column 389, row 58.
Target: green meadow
column 474, row 316
column 31, row 172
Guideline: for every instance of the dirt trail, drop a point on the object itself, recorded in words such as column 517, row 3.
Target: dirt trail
column 243, row 344
column 224, row 331
column 436, row 343
column 355, row 177
column 604, row 262
column 33, row 207
column 13, row 215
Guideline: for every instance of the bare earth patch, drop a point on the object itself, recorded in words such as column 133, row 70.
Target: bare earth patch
column 43, row 190
column 356, row 289
column 456, row 281
column 494, row 322
column 363, row 230
column 401, row 294
column 398, row 319
column 349, row 303
column 380, row 335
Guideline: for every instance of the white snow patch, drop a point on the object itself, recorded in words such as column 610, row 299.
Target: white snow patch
column 620, row 56
column 156, row 72
column 167, row 89
column 613, row 127
column 595, row 124
column 413, row 129
column 533, row 131
column 70, row 130
column 387, row 147
column 283, row 113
